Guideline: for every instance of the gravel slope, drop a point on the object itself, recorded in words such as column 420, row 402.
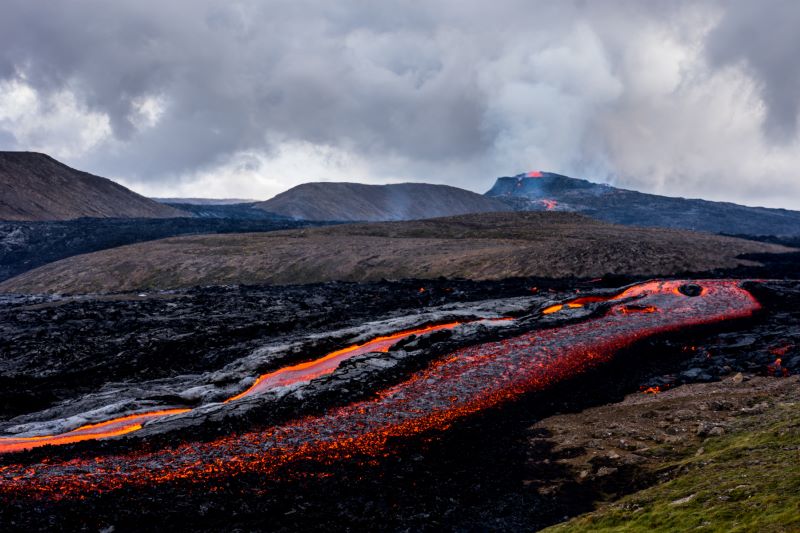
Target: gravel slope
column 35, row 186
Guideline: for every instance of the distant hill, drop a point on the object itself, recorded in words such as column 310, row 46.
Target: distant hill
column 540, row 191
column 359, row 202
column 478, row 246
column 35, row 186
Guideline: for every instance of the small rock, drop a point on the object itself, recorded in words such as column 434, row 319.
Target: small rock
column 721, row 405
column 692, row 373
column 606, row 471
column 737, row 378
column 703, row 428
column 681, row 501
column 757, row 408
column 706, row 429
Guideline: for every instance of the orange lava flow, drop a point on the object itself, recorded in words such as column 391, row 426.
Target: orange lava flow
column 534, row 174
column 468, row 380
column 583, row 300
column 328, row 363
column 550, row 205
column 285, row 376
column 109, row 428
column 630, row 292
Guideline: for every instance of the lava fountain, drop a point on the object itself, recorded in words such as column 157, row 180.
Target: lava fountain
column 467, row 381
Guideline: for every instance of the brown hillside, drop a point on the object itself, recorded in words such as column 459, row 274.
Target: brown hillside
column 494, row 245
column 35, row 186
column 360, row 202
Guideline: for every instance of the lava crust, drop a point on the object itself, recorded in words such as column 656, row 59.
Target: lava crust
column 467, row 381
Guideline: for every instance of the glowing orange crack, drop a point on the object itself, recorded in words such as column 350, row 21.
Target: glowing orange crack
column 470, row 380
column 101, row 430
column 583, row 300
column 298, row 373
column 325, row 365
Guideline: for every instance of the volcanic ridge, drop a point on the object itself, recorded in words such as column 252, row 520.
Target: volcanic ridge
column 540, row 191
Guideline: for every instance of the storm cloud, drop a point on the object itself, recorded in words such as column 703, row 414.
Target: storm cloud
column 248, row 98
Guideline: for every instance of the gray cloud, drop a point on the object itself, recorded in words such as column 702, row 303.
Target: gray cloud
column 764, row 35
column 198, row 94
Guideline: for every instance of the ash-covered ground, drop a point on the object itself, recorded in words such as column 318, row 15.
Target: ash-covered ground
column 27, row 245
column 67, row 357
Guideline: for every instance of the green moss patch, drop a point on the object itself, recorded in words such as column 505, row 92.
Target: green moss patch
column 746, row 481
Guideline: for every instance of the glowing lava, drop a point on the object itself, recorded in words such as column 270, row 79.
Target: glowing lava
column 549, row 205
column 534, row 174
column 290, row 375
column 467, row 381
column 110, row 428
column 327, row 364
column 583, row 300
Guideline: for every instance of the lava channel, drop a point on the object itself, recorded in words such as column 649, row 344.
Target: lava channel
column 465, row 382
column 283, row 377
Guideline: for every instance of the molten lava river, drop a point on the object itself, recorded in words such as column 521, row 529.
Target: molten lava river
column 462, row 383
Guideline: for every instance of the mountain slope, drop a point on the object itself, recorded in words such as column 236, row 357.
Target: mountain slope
column 35, row 186
column 537, row 191
column 482, row 246
column 359, row 202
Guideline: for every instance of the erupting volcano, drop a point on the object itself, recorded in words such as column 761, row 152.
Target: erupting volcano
column 466, row 381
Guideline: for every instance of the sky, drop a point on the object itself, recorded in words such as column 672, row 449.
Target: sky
column 247, row 98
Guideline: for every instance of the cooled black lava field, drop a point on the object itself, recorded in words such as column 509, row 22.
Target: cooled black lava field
column 425, row 429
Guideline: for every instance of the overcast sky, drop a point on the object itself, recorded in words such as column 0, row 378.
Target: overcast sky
column 248, row 98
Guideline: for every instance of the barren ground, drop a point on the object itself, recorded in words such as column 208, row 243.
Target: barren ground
column 645, row 430
column 485, row 246
column 724, row 455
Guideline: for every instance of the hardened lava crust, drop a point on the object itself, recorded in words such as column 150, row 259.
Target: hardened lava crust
column 403, row 403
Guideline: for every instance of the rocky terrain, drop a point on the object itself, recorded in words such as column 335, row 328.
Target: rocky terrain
column 161, row 334
column 487, row 246
column 539, row 191
column 237, row 211
column 204, row 201
column 723, row 453
column 35, row 186
column 508, row 467
column 360, row 202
